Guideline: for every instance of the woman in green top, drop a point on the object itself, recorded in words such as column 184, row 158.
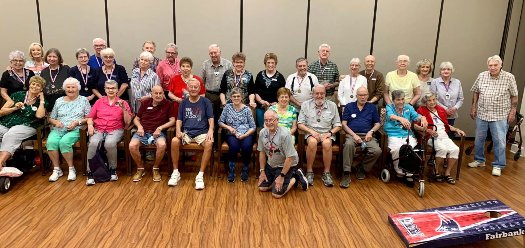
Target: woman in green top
column 20, row 116
column 286, row 112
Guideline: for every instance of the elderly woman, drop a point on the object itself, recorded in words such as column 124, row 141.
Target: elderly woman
column 423, row 69
column 237, row 120
column 37, row 62
column 20, row 116
column 84, row 74
column 17, row 77
column 110, row 71
column 54, row 74
column 267, row 82
column 445, row 147
column 169, row 67
column 178, row 88
column 402, row 79
column 448, row 90
column 67, row 116
column 106, row 121
column 347, row 92
column 287, row 113
column 399, row 118
column 238, row 77
column 143, row 79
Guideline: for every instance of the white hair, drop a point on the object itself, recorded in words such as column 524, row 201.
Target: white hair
column 214, row 46
column 496, row 58
column 146, row 55
column 400, row 57
column 355, row 61
column 446, row 65
column 324, row 45
column 16, row 54
column 107, row 51
column 71, row 80
column 99, row 39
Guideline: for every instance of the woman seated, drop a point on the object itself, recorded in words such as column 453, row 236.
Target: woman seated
column 287, row 113
column 68, row 114
column 237, row 119
column 445, row 147
column 106, row 121
column 20, row 116
column 398, row 125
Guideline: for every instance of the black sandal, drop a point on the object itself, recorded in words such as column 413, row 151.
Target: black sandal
column 450, row 180
column 438, row 178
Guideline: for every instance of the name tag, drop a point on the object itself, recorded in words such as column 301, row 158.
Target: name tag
column 353, row 115
column 274, row 79
column 150, row 108
column 428, row 83
column 216, row 73
column 327, row 68
column 374, row 79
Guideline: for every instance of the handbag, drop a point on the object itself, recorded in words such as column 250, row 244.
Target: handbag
column 99, row 164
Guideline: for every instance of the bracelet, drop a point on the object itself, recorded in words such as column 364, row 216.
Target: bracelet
column 261, row 170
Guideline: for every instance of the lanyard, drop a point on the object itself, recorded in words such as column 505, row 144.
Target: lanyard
column 110, row 75
column 53, row 79
column 21, row 79
column 84, row 78
column 237, row 81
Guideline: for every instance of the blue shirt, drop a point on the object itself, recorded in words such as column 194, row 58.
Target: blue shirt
column 394, row 128
column 360, row 121
column 448, row 97
column 96, row 62
column 194, row 116
column 242, row 120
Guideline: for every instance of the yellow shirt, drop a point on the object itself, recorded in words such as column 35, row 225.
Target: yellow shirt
column 406, row 83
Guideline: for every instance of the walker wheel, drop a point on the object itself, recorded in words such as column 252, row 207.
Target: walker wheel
column 385, row 175
column 5, row 184
column 517, row 155
column 421, row 188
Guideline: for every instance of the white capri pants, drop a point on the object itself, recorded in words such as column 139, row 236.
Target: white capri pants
column 11, row 138
column 394, row 143
column 445, row 146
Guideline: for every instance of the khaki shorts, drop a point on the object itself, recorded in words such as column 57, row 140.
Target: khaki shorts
column 186, row 139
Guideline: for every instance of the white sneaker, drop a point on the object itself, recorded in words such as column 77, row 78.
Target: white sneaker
column 72, row 175
column 475, row 164
column 56, row 174
column 199, row 182
column 496, row 171
column 174, row 179
column 90, row 180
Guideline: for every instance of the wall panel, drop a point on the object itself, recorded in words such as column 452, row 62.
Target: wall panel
column 405, row 27
column 211, row 21
column 274, row 26
column 133, row 22
column 19, row 24
column 68, row 25
column 346, row 25
column 468, row 41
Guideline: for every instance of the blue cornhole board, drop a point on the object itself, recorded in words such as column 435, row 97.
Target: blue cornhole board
column 458, row 224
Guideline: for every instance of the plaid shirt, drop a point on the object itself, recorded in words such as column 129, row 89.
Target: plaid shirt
column 494, row 95
column 325, row 73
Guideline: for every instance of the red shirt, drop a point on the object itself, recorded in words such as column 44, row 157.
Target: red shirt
column 152, row 117
column 106, row 117
column 166, row 71
column 442, row 113
column 178, row 86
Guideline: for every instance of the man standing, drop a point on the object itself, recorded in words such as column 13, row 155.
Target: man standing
column 148, row 46
column 301, row 83
column 168, row 67
column 212, row 71
column 375, row 80
column 493, row 107
column 95, row 61
column 277, row 158
column 326, row 71
column 360, row 122
column 194, row 125
column 319, row 118
column 154, row 116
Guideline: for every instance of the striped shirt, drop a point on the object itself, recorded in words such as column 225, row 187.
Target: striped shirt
column 141, row 86
column 494, row 95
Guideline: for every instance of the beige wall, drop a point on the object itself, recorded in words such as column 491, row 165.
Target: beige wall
column 471, row 31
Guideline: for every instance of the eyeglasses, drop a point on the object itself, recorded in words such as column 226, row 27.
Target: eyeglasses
column 172, row 53
column 269, row 120
column 110, row 88
column 18, row 61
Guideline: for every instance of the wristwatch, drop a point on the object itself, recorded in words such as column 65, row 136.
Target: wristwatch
column 261, row 170
column 282, row 175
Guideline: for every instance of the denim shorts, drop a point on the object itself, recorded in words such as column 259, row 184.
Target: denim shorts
column 147, row 138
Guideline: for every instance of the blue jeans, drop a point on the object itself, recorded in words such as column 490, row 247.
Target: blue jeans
column 236, row 145
column 259, row 116
column 498, row 131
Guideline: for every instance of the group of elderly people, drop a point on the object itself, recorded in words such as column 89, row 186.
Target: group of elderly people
column 95, row 92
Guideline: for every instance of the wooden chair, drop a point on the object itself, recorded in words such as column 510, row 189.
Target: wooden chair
column 152, row 147
column 193, row 147
column 224, row 148
column 337, row 149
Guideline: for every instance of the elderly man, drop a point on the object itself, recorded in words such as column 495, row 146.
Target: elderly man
column 95, row 60
column 301, row 83
column 148, row 46
column 319, row 118
column 493, row 107
column 155, row 115
column 402, row 79
column 212, row 71
column 326, row 71
column 194, row 125
column 360, row 122
column 277, row 158
column 375, row 80
column 168, row 67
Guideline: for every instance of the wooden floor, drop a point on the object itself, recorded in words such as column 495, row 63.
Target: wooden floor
column 36, row 213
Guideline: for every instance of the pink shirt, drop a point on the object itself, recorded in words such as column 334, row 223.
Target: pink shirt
column 166, row 71
column 108, row 118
